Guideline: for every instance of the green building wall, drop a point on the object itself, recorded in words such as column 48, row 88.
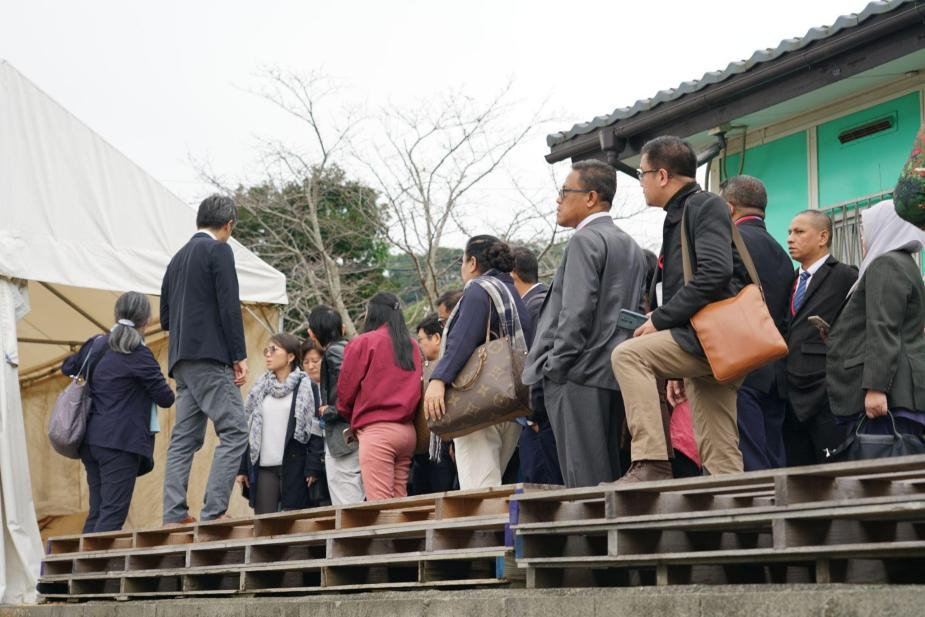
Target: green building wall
column 782, row 166
column 845, row 172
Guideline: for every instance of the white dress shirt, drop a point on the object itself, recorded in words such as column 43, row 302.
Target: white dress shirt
column 596, row 215
column 812, row 270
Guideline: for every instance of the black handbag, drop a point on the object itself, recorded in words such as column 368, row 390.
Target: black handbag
column 861, row 446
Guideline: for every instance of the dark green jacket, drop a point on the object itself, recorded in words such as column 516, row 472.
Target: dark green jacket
column 878, row 340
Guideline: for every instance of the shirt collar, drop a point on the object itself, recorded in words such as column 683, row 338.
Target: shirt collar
column 815, row 267
column 596, row 215
column 206, row 231
column 535, row 285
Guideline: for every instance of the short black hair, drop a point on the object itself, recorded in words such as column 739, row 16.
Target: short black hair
column 326, row 324
column 672, row 154
column 821, row 221
column 599, row 177
column 450, row 298
column 431, row 325
column 215, row 212
column 525, row 264
column 745, row 192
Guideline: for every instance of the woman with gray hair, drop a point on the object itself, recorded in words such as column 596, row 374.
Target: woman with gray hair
column 125, row 384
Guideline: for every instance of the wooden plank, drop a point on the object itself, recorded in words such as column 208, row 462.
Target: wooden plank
column 304, row 579
column 292, row 526
column 349, row 518
column 366, row 545
column 796, row 489
column 106, row 541
column 438, row 539
column 224, row 529
column 63, row 544
column 294, row 551
column 99, row 564
column 153, row 584
column 58, row 567
column 450, row 506
column 157, row 561
column 369, row 574
column 552, row 510
column 169, row 536
column 199, row 557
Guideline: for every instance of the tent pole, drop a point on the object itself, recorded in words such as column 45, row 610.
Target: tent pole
column 67, row 301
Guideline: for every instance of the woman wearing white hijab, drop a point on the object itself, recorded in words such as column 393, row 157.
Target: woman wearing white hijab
column 876, row 348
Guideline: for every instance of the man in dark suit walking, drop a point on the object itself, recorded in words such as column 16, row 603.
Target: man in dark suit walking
column 760, row 404
column 819, row 288
column 539, row 461
column 201, row 309
column 602, row 271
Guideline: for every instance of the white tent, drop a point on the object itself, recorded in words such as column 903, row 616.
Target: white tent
column 79, row 224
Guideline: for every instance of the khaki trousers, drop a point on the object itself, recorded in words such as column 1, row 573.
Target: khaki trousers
column 638, row 362
column 482, row 456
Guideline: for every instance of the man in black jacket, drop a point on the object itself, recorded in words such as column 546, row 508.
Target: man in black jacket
column 201, row 309
column 761, row 406
column 539, row 462
column 665, row 346
column 819, row 287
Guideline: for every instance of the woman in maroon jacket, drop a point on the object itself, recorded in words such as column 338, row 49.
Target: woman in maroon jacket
column 378, row 392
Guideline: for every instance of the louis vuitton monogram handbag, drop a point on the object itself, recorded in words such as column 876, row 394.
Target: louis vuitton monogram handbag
column 488, row 389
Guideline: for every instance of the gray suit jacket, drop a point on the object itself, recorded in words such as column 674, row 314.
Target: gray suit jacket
column 602, row 271
column 876, row 342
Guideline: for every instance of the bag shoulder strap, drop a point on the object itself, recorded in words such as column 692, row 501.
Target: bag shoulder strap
column 501, row 297
column 736, row 240
column 92, row 359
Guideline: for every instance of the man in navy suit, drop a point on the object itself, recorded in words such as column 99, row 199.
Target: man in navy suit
column 760, row 404
column 201, row 309
column 539, row 461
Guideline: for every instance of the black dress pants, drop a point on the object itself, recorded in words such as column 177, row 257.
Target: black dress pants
column 111, row 476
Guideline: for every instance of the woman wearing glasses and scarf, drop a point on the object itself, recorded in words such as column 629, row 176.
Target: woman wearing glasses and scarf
column 276, row 469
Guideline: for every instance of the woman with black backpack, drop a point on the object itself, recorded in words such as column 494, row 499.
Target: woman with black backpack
column 125, row 382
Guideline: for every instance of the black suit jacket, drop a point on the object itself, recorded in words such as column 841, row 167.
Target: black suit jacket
column 200, row 304
column 775, row 270
column 534, row 299
column 806, row 375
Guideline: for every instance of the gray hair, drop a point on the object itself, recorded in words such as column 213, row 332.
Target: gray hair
column 745, row 192
column 132, row 311
column 215, row 212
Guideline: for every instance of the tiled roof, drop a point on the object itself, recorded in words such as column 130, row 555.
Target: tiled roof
column 761, row 56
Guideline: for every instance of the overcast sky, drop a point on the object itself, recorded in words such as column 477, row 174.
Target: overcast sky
column 168, row 81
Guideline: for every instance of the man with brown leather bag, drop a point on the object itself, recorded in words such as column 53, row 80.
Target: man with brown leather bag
column 666, row 345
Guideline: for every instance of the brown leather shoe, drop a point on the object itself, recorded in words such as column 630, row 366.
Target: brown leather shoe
column 645, row 471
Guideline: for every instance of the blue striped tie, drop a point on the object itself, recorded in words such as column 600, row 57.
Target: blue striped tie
column 801, row 291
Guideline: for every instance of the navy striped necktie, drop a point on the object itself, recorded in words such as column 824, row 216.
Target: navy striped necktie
column 801, row 291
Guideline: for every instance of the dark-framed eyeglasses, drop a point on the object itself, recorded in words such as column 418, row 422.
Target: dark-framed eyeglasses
column 564, row 190
column 640, row 173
